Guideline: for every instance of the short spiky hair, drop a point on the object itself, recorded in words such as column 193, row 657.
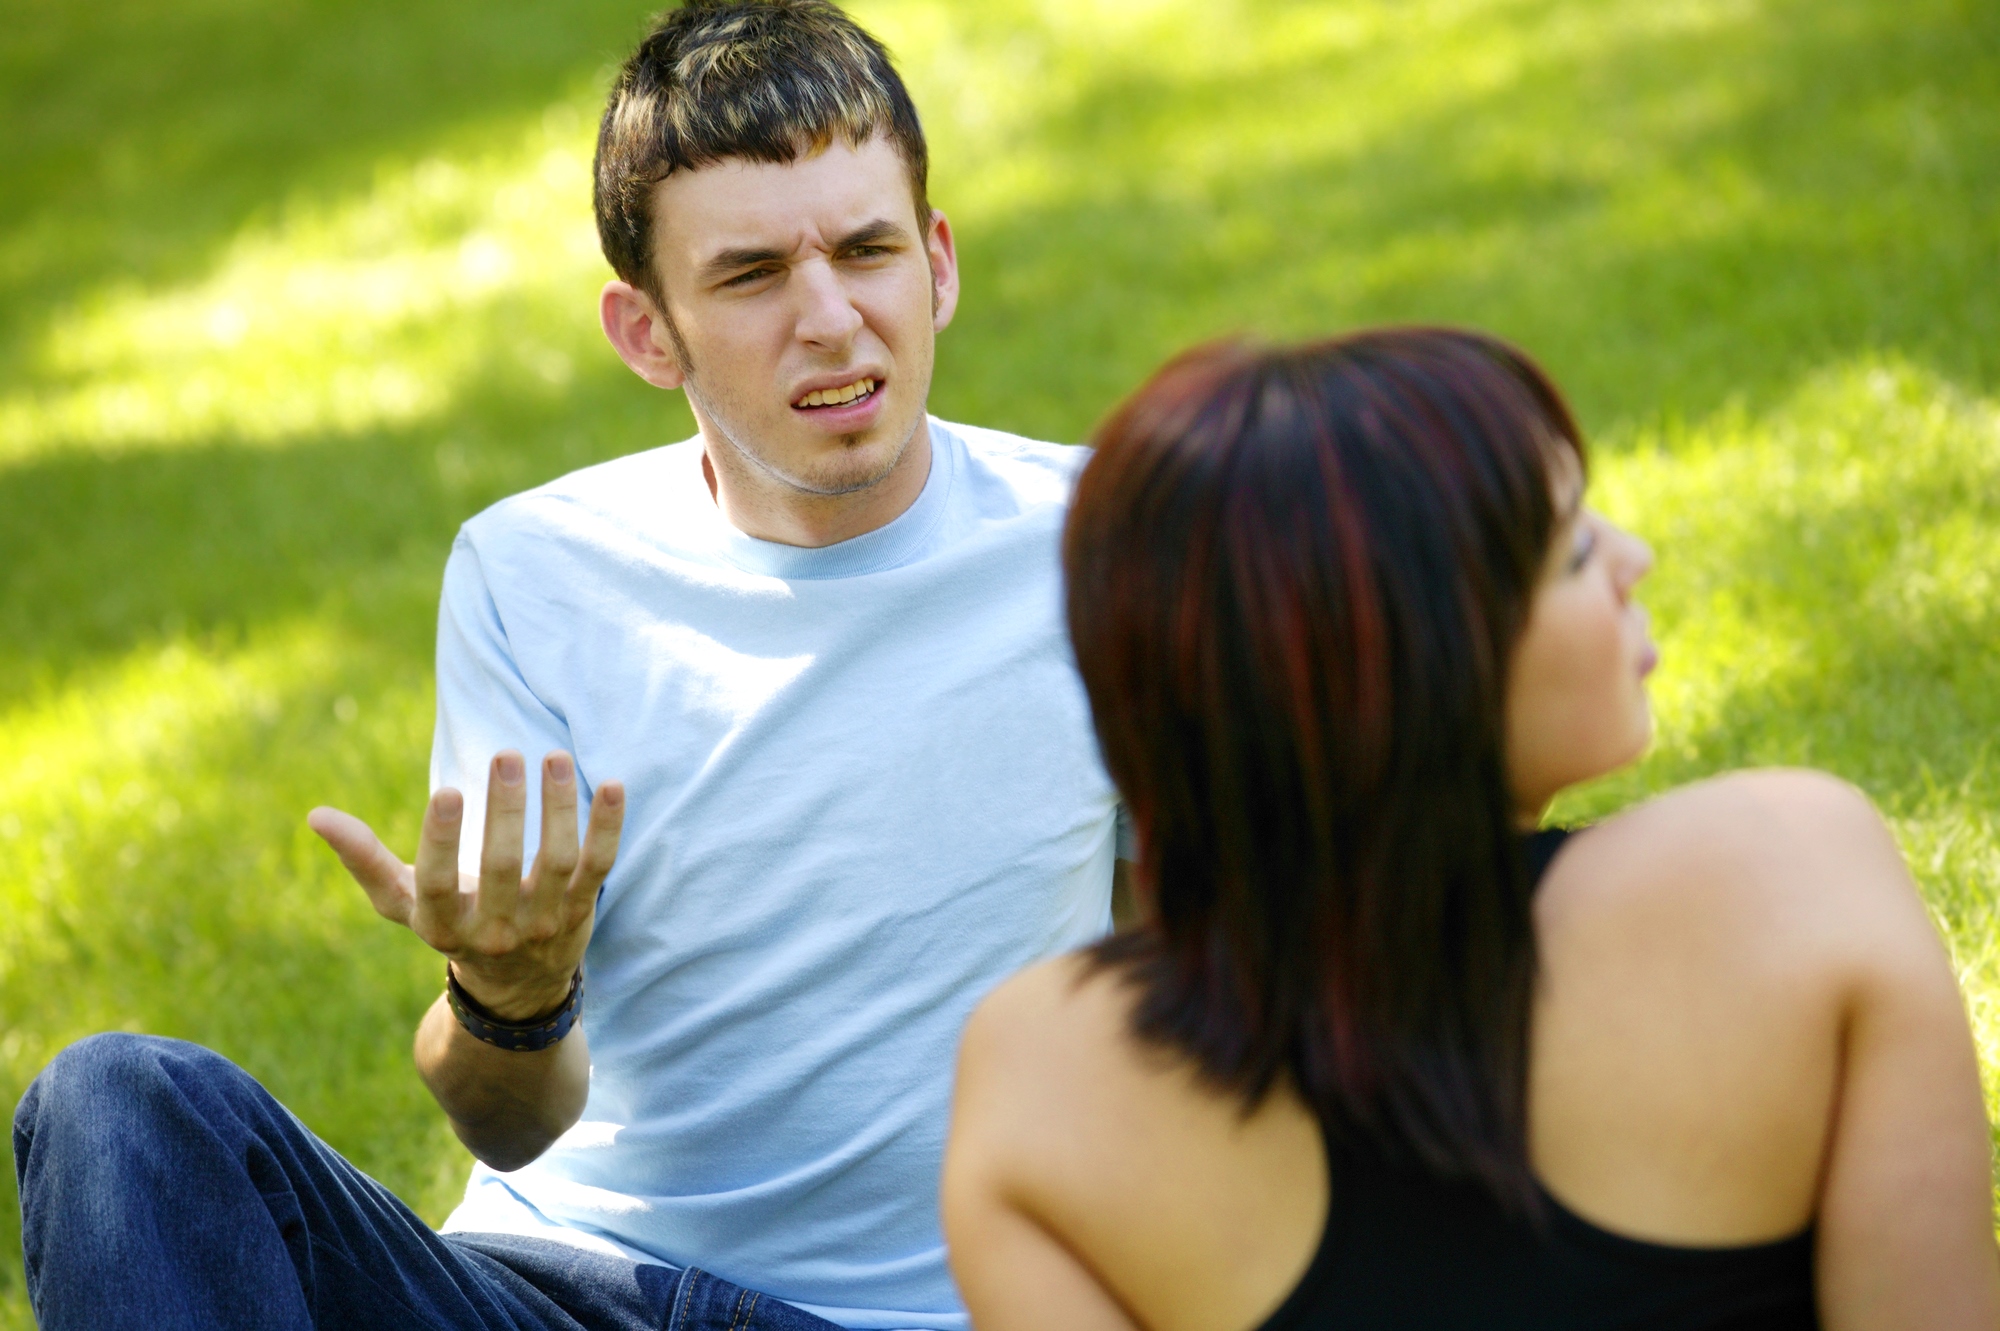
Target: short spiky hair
column 766, row 80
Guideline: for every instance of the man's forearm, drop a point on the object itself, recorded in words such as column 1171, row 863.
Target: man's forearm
column 507, row 1107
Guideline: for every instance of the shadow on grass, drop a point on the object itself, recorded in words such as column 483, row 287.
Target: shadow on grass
column 1671, row 224
column 102, row 554
column 143, row 135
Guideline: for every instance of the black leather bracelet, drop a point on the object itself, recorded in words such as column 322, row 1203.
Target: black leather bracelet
column 521, row 1037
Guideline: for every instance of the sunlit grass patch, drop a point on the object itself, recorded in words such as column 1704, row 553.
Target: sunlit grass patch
column 1952, row 841
column 1825, row 574
column 155, row 875
column 369, row 314
column 1824, row 597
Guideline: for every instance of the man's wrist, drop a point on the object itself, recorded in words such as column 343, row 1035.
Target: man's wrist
column 515, row 1002
column 529, row 1035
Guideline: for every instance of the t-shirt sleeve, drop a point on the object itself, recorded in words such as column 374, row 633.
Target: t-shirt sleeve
column 484, row 705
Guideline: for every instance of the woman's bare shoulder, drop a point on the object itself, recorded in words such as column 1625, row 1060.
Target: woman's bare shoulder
column 1734, row 857
column 1055, row 1033
column 1700, row 956
column 1735, row 821
column 1195, row 1208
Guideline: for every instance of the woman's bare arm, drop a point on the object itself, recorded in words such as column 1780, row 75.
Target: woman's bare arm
column 1095, row 1183
column 1013, row 1273
column 1906, row 1219
column 1748, row 1023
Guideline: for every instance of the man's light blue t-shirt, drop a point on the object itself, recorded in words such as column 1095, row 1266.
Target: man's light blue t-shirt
column 862, row 790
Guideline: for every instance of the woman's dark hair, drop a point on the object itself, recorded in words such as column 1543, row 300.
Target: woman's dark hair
column 1296, row 577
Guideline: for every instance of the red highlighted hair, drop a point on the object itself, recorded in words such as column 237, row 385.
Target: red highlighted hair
column 1296, row 577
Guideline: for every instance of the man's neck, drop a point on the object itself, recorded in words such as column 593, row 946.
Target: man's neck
column 758, row 504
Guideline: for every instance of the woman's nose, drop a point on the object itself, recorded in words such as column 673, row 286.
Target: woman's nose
column 1635, row 560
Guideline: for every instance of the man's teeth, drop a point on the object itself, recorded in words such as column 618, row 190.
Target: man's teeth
column 834, row 397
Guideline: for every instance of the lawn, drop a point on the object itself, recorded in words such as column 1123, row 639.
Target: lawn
column 289, row 289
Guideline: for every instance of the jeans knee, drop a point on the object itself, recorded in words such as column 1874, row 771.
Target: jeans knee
column 102, row 1079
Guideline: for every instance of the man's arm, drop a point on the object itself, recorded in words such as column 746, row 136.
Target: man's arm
column 506, row 1107
column 514, row 941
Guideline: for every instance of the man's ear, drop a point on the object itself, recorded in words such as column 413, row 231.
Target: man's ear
column 943, row 253
column 637, row 330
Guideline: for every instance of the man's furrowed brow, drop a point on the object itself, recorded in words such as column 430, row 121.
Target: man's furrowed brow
column 877, row 232
column 727, row 262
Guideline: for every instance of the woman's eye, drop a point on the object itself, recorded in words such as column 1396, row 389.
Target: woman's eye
column 1586, row 541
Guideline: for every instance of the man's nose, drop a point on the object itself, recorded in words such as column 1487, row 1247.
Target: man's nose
column 827, row 317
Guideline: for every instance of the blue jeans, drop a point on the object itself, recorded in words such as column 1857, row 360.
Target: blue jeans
column 162, row 1188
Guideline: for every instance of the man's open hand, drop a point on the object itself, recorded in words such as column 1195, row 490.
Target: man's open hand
column 514, row 940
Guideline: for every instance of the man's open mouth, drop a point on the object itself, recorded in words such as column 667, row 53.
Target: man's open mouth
column 844, row 396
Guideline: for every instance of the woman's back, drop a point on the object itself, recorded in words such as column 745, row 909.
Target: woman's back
column 1405, row 1249
column 1722, row 969
column 1347, row 627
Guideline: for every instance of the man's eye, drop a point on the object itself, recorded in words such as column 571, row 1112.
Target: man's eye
column 867, row 252
column 745, row 279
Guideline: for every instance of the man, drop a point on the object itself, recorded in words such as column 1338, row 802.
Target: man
column 811, row 669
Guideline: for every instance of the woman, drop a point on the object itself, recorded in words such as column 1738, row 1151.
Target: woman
column 1375, row 1056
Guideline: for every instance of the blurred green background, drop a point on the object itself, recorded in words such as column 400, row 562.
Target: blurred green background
column 289, row 288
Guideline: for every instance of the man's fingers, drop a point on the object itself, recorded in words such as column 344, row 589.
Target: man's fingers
column 556, row 860
column 387, row 880
column 436, row 872
column 500, row 856
column 600, row 848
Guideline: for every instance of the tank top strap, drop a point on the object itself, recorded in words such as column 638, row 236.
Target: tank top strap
column 1540, row 849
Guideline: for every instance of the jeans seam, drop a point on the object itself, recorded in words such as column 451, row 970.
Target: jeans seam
column 688, row 1280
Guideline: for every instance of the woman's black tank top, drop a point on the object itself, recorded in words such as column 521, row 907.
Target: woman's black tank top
column 1405, row 1250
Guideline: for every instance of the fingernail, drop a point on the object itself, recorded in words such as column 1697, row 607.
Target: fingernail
column 448, row 803
column 611, row 796
column 560, row 767
column 508, row 766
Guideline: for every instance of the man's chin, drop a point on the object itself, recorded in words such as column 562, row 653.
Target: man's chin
column 835, row 480
column 824, row 466
column 850, row 464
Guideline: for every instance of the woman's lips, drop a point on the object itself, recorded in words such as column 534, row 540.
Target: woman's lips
column 1649, row 657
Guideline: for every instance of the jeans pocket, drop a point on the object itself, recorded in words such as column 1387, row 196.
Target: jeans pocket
column 704, row 1302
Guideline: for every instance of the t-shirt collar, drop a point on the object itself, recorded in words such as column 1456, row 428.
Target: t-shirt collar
column 897, row 542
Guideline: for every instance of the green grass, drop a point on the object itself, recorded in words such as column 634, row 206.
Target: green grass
column 289, row 289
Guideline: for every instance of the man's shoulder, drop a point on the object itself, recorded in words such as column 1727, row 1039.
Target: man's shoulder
column 592, row 504
column 1033, row 472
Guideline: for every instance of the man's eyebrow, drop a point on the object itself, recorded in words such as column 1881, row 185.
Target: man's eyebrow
column 725, row 262
column 872, row 233
column 728, row 261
